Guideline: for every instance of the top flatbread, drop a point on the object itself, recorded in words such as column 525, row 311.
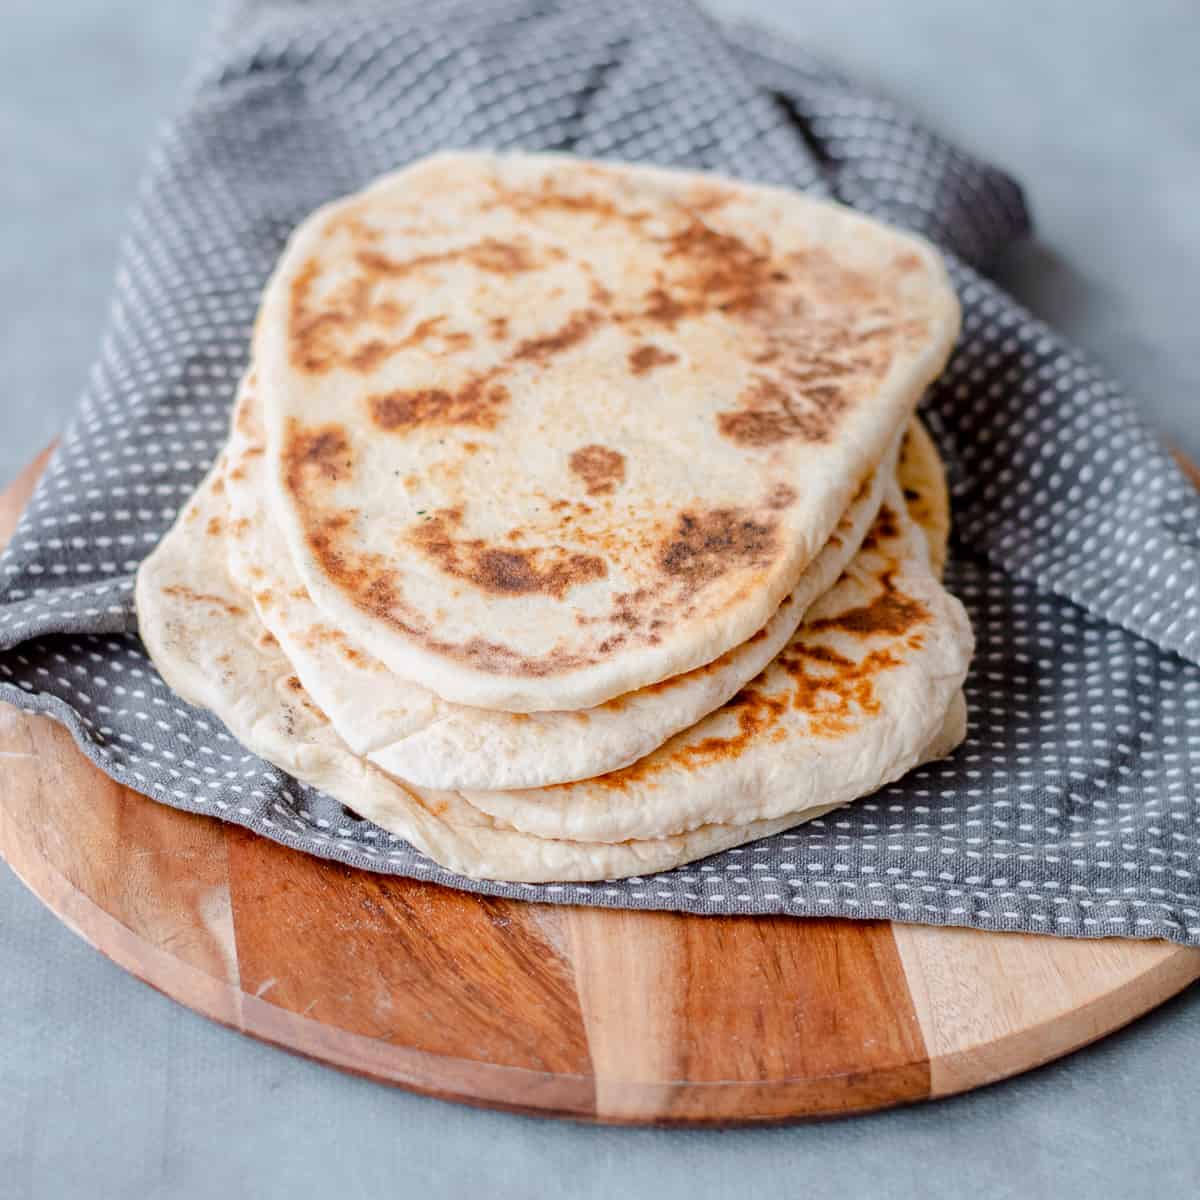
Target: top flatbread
column 543, row 432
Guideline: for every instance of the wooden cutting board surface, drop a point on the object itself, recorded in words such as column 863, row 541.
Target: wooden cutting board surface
column 600, row 1015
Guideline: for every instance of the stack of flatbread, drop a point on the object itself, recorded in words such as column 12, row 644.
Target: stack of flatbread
column 575, row 522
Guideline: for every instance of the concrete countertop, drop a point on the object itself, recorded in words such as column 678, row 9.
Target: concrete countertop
column 109, row 1089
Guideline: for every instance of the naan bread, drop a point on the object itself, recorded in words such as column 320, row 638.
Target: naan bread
column 543, row 432
column 412, row 733
column 205, row 638
column 850, row 704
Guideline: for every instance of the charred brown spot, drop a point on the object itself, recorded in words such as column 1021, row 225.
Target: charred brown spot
column 318, row 330
column 498, row 328
column 782, row 495
column 887, row 523
column 214, row 527
column 706, row 545
column 601, row 469
column 370, row 582
column 431, row 329
column 309, row 342
column 490, row 254
column 756, row 713
column 516, row 572
column 316, row 454
column 891, row 613
column 629, row 608
column 665, row 309
column 832, row 691
column 495, row 658
column 599, row 293
column 723, row 271
column 548, row 199
column 710, row 272
column 368, row 357
column 325, row 635
column 550, row 571
column 539, row 349
column 322, row 332
column 825, row 330
column 501, row 258
column 863, row 487
column 646, row 357
column 771, row 413
column 885, row 528
column 351, row 655
column 479, row 403
column 179, row 592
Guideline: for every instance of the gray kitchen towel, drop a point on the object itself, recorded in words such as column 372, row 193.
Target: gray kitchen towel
column 1073, row 806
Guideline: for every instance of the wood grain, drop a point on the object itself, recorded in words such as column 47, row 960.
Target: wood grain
column 995, row 1004
column 830, row 1027
column 594, row 1014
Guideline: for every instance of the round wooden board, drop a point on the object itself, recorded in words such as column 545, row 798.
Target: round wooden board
column 598, row 1015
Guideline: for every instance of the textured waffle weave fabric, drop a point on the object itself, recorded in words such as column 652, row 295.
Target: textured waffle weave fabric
column 1073, row 807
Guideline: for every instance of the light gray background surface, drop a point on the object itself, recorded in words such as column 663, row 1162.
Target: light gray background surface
column 108, row 1089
